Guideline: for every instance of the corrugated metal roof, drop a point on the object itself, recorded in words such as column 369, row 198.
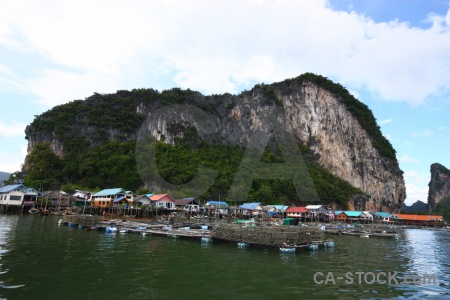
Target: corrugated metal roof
column 281, row 208
column 350, row 213
column 11, row 187
column 410, row 217
column 160, row 196
column 108, row 192
column 212, row 202
column 250, row 206
column 313, row 206
column 296, row 209
column 119, row 199
column 383, row 214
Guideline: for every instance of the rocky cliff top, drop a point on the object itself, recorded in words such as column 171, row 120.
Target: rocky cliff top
column 439, row 186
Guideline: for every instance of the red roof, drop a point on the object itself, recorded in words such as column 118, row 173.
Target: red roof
column 296, row 209
column 161, row 197
column 420, row 217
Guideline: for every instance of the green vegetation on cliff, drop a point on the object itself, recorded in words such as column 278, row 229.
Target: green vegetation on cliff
column 114, row 165
column 98, row 139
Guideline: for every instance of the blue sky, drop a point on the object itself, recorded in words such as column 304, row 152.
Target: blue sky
column 392, row 55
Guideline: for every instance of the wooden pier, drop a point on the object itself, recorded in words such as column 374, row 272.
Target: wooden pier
column 368, row 234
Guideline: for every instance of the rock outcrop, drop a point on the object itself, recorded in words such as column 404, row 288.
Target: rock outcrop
column 339, row 130
column 439, row 186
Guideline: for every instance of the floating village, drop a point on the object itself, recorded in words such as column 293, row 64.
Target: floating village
column 289, row 228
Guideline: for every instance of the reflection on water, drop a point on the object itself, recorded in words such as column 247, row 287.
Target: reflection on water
column 42, row 260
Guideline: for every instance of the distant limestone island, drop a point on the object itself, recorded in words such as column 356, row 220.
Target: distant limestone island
column 438, row 194
column 439, row 190
column 416, row 207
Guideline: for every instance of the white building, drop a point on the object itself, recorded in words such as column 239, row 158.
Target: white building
column 18, row 195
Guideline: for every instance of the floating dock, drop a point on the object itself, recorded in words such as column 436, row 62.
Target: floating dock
column 287, row 238
column 284, row 237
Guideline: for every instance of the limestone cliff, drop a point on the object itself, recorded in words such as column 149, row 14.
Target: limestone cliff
column 340, row 131
column 439, row 186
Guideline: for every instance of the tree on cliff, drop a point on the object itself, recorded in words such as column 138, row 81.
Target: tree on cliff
column 44, row 167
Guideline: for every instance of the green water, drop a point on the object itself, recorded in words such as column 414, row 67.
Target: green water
column 40, row 259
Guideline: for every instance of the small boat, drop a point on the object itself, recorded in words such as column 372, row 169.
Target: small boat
column 123, row 231
column 250, row 221
column 364, row 236
column 287, row 249
column 34, row 211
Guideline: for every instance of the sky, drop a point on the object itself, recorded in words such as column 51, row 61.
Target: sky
column 394, row 56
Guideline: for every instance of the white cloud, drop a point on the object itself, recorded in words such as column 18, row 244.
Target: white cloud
column 408, row 159
column 423, row 133
column 416, row 186
column 215, row 47
column 11, row 161
column 384, row 122
column 441, row 128
column 14, row 129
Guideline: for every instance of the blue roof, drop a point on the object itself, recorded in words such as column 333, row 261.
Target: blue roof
column 108, row 192
column 281, row 208
column 9, row 188
column 350, row 213
column 148, row 195
column 211, row 202
column 383, row 214
column 118, row 199
column 250, row 206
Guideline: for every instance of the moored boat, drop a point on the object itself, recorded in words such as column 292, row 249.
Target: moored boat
column 34, row 211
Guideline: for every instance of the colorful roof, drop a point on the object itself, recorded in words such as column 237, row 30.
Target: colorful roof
column 352, row 214
column 296, row 209
column 213, row 202
column 11, row 187
column 109, row 192
column 383, row 214
column 161, row 196
column 250, row 206
column 424, row 218
column 119, row 199
column 280, row 208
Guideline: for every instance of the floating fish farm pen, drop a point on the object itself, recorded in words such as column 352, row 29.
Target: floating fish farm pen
column 82, row 220
column 294, row 236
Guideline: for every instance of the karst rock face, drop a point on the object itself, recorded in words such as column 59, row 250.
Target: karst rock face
column 439, row 186
column 315, row 115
